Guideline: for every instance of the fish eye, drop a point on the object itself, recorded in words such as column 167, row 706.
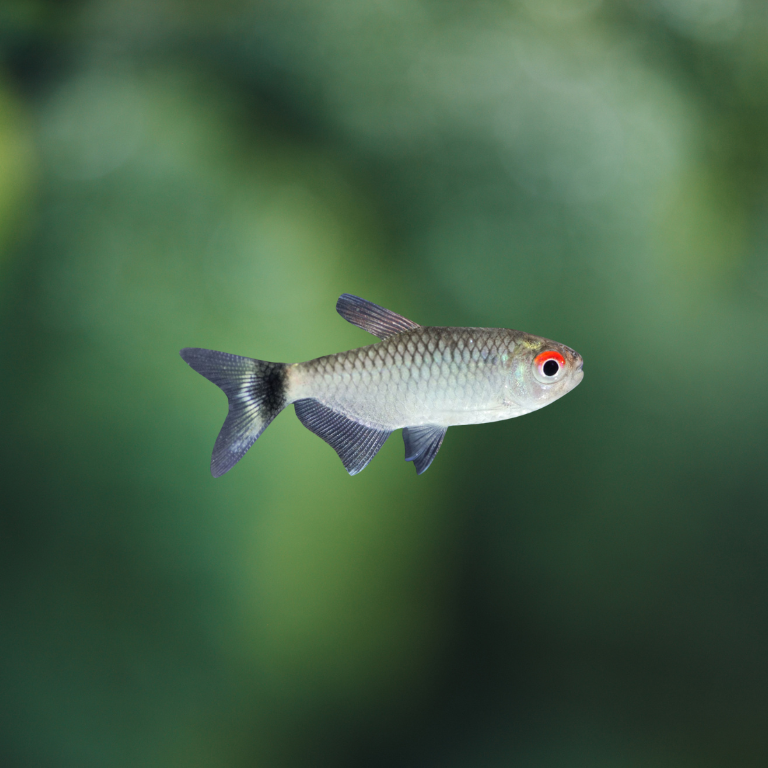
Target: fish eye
column 548, row 365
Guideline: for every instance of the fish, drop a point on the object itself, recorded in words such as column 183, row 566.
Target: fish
column 420, row 379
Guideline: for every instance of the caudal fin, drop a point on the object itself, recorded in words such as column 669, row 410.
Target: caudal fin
column 256, row 393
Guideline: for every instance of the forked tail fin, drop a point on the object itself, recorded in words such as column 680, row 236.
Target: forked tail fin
column 256, row 393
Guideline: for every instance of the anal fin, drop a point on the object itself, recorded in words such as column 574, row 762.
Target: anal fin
column 355, row 443
column 422, row 444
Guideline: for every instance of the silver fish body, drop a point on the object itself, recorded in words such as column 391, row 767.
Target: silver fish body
column 441, row 376
column 421, row 379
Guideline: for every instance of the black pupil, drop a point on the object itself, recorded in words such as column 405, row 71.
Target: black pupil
column 550, row 368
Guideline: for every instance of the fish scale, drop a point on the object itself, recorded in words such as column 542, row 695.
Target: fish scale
column 428, row 375
column 419, row 378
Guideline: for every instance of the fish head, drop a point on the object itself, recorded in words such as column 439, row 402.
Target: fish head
column 541, row 372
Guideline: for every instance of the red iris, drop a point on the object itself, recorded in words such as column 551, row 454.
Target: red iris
column 549, row 371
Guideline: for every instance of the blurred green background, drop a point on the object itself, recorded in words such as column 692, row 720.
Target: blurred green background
column 586, row 586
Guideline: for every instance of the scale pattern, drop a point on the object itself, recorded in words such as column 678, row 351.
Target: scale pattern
column 423, row 376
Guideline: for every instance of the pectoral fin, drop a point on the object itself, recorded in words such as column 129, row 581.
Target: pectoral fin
column 355, row 443
column 371, row 317
column 422, row 444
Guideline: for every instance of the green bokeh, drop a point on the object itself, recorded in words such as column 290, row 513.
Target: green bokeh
column 584, row 586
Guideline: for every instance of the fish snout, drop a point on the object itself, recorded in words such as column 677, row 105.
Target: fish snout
column 578, row 371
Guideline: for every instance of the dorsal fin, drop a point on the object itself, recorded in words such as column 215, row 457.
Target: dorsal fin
column 371, row 317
